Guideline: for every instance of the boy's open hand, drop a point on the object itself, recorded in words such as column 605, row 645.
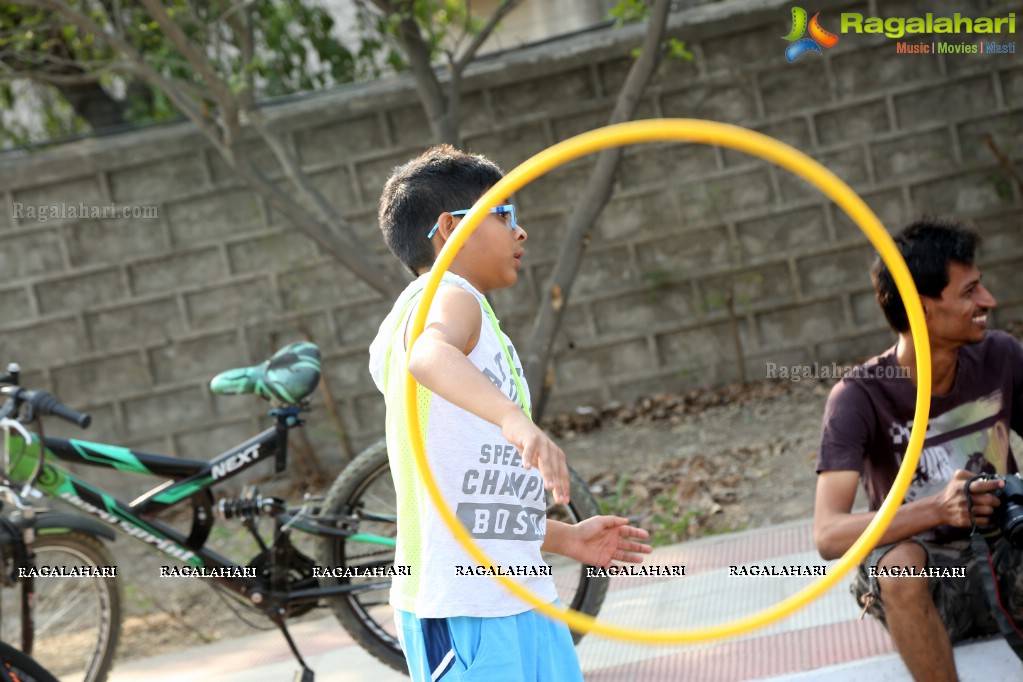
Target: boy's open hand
column 599, row 540
column 539, row 451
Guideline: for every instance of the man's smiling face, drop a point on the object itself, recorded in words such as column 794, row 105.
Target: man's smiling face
column 959, row 317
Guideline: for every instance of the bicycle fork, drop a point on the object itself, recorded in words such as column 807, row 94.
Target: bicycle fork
column 28, row 589
column 22, row 540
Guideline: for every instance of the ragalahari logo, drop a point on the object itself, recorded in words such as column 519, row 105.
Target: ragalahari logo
column 818, row 36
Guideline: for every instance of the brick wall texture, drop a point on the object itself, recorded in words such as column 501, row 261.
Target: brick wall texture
column 702, row 253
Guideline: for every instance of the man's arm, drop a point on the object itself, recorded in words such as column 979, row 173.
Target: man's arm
column 836, row 528
column 438, row 361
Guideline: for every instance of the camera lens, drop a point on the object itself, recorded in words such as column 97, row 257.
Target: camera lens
column 1012, row 524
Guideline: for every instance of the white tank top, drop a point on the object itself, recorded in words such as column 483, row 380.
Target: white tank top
column 480, row 475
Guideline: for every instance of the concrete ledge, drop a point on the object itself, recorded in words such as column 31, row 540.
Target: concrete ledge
column 981, row 661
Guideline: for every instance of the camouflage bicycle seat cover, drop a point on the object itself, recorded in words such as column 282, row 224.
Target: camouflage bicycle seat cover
column 291, row 374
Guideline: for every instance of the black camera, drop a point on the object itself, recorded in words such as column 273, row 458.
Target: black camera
column 1009, row 515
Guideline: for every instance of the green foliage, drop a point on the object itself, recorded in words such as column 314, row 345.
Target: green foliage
column 668, row 526
column 438, row 19
column 14, row 132
column 628, row 12
column 618, row 503
column 677, row 49
column 631, row 11
column 300, row 51
column 443, row 25
column 55, row 117
column 296, row 48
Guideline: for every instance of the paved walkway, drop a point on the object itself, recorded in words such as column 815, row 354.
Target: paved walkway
column 825, row 640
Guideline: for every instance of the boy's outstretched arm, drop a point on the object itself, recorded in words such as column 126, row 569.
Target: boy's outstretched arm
column 597, row 541
column 438, row 361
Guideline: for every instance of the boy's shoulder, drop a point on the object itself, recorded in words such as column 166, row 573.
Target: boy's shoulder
column 456, row 296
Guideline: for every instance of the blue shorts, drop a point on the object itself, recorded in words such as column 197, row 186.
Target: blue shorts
column 527, row 647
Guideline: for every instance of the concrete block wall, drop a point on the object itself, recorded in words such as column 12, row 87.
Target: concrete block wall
column 699, row 245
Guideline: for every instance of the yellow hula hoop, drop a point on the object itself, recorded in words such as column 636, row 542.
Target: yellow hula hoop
column 769, row 149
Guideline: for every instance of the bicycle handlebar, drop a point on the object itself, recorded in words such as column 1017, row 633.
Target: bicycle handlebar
column 41, row 402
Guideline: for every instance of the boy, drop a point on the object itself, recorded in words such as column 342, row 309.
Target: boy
column 490, row 461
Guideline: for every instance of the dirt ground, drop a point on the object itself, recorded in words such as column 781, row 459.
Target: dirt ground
column 709, row 461
column 683, row 465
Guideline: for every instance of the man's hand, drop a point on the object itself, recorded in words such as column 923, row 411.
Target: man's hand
column 598, row 540
column 538, row 450
column 952, row 503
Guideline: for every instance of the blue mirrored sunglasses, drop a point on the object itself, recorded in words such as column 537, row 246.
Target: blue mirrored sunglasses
column 505, row 209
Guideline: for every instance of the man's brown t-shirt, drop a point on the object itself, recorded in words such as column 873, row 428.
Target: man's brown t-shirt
column 869, row 415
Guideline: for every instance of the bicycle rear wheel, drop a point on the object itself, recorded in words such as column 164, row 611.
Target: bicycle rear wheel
column 77, row 619
column 20, row 667
column 365, row 491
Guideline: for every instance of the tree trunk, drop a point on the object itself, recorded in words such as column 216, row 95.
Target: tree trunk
column 584, row 216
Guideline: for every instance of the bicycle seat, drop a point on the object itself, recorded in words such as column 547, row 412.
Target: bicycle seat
column 291, row 374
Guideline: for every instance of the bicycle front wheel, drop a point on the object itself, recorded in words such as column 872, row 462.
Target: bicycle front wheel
column 77, row 619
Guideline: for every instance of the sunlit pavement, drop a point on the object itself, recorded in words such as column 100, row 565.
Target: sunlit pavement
column 825, row 640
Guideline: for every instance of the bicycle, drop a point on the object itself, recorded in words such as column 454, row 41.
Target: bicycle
column 354, row 522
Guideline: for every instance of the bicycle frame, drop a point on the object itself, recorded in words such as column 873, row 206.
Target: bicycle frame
column 190, row 480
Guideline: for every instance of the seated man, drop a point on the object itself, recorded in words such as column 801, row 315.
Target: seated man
column 977, row 395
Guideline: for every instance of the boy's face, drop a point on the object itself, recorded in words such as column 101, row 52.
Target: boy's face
column 959, row 317
column 491, row 256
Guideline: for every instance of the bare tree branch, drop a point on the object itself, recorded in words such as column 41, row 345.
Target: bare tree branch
column 196, row 91
column 350, row 254
column 1003, row 160
column 239, row 18
column 477, row 42
column 192, row 55
column 431, row 92
column 58, row 79
column 228, row 105
column 52, row 63
column 456, row 67
column 587, row 210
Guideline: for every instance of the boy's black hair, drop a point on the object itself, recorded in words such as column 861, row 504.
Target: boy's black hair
column 440, row 179
column 928, row 246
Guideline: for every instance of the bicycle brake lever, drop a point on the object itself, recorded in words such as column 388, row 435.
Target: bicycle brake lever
column 13, row 374
column 8, row 423
column 15, row 498
column 34, row 493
